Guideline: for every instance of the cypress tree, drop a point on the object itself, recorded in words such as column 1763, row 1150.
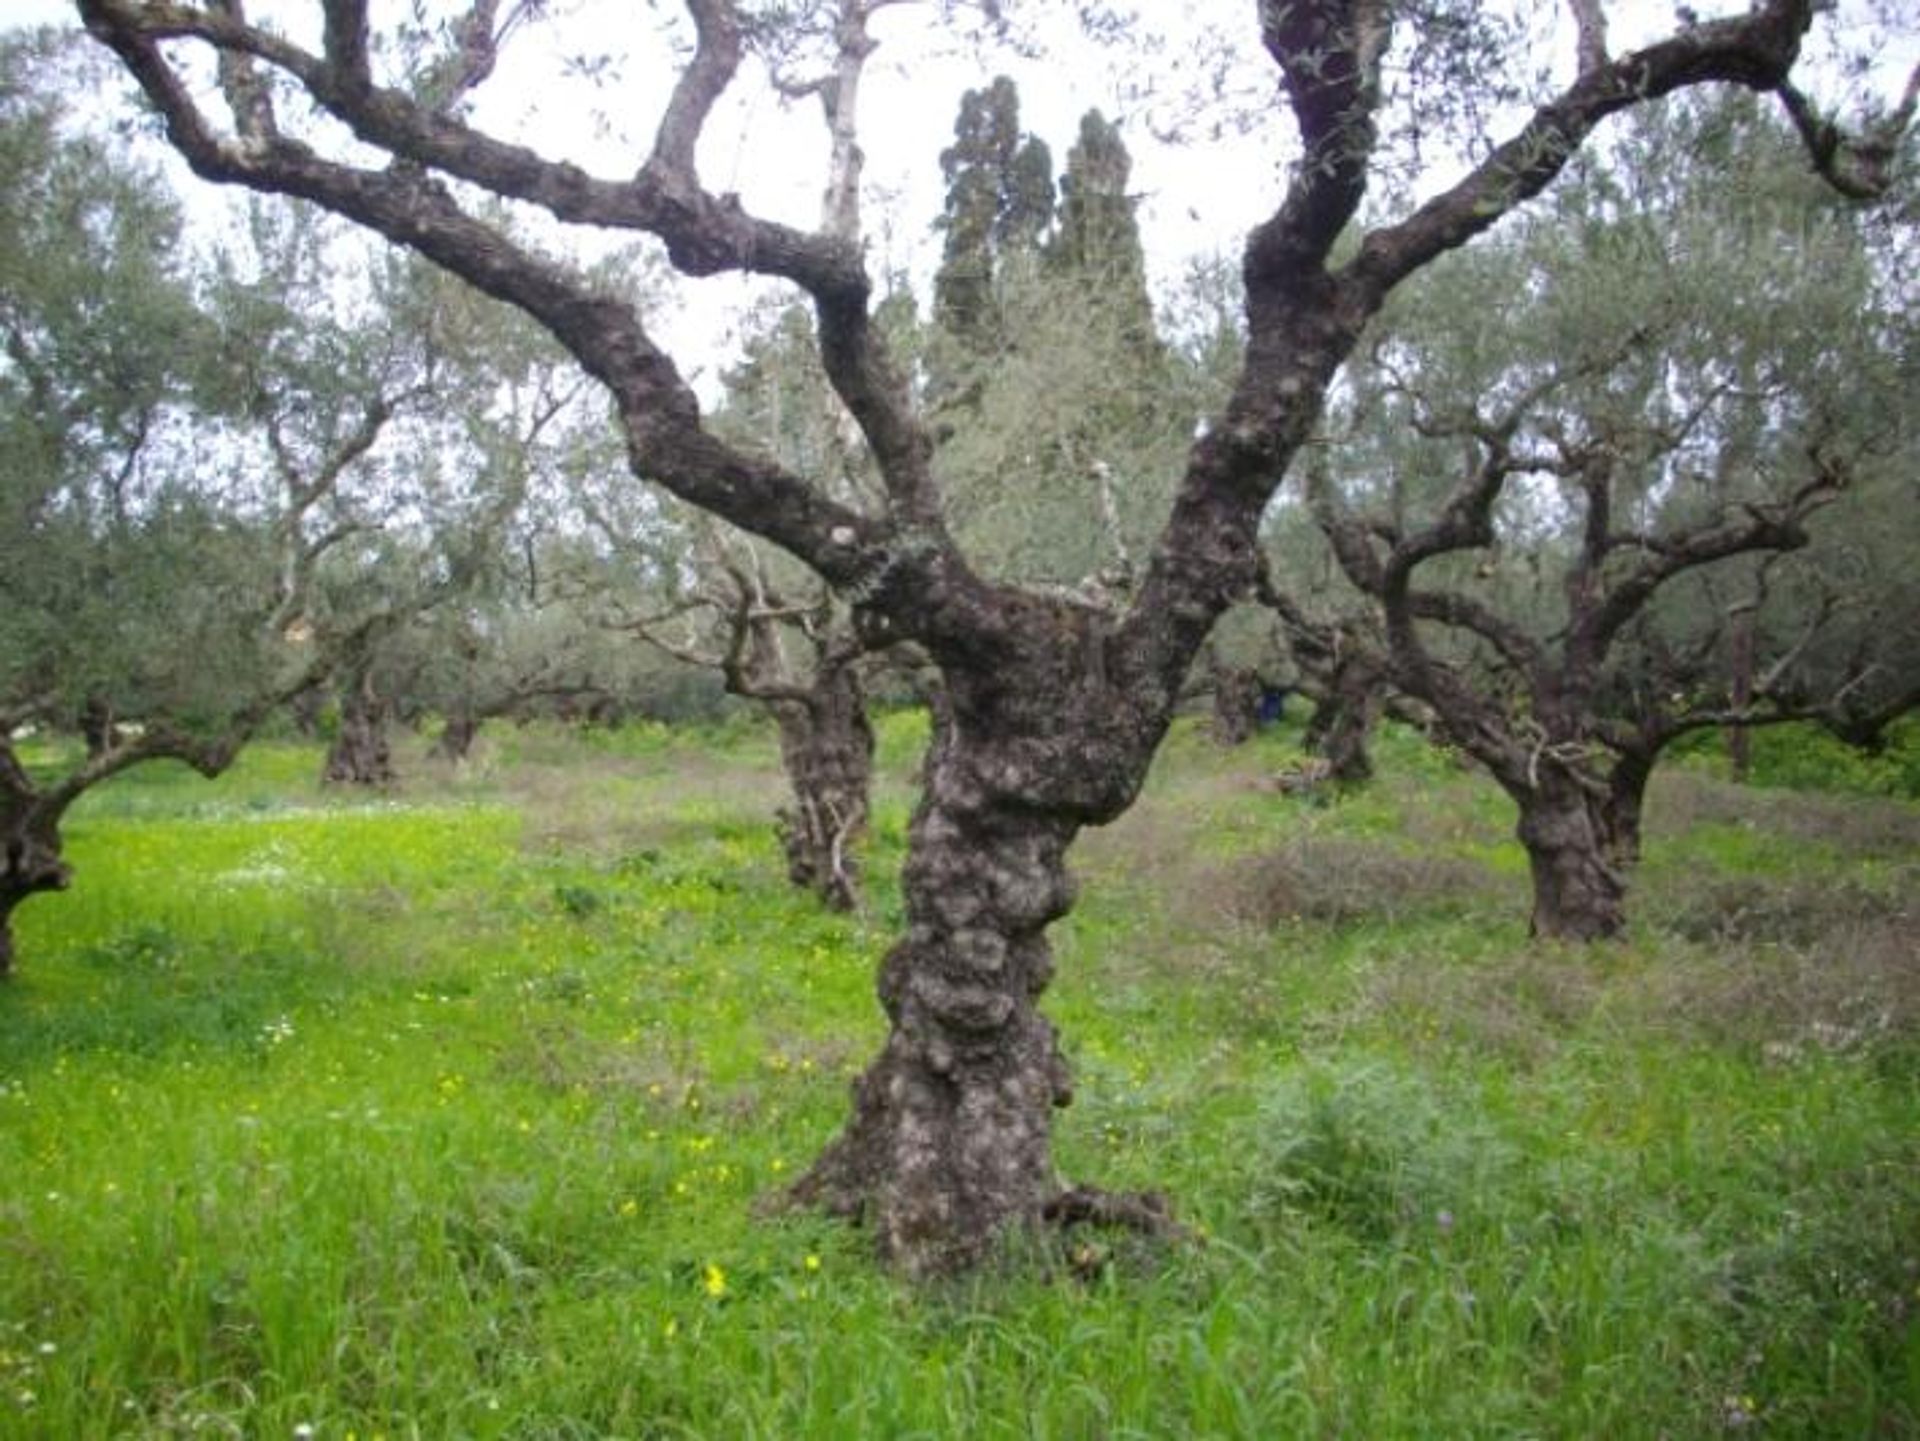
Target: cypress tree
column 1098, row 237
column 999, row 202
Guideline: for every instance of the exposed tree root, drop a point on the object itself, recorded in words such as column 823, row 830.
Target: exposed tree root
column 1144, row 1213
column 1147, row 1212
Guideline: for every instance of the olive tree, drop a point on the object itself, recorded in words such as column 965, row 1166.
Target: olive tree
column 1056, row 703
column 132, row 590
column 209, row 462
column 794, row 653
column 1585, row 540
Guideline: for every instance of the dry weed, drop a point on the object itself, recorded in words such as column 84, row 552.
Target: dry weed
column 1855, row 826
column 1337, row 881
column 617, row 807
column 559, row 1057
column 1775, row 910
column 1858, row 988
column 1518, row 1006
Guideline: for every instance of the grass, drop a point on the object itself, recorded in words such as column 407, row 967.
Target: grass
column 445, row 1115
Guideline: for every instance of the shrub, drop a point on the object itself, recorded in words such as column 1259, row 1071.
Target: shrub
column 1372, row 1150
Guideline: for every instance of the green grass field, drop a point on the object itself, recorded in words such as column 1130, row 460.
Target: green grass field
column 445, row 1114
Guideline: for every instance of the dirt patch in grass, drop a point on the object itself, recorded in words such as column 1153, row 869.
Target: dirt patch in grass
column 1853, row 990
column 618, row 807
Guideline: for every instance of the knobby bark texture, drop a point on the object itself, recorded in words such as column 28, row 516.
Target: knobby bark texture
column 1579, row 873
column 1344, row 716
column 1581, row 830
column 949, row 1146
column 826, row 749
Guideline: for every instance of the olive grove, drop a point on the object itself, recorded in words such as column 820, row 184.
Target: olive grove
column 230, row 475
column 1055, row 702
column 136, row 597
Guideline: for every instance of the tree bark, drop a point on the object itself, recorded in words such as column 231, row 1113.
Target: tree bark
column 948, row 1150
column 97, row 727
column 457, row 736
column 30, row 849
column 1344, row 717
column 826, row 747
column 1625, row 801
column 360, row 754
column 949, row 1145
column 1579, row 879
column 1236, row 704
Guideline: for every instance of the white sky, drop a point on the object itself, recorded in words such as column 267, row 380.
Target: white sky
column 1195, row 199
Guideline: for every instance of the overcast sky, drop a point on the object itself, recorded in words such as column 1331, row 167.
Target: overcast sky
column 1195, row 198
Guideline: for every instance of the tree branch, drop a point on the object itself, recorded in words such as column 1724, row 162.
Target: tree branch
column 1329, row 53
column 1590, row 21
column 657, row 408
column 1761, row 528
column 1756, row 50
column 1860, row 168
column 703, row 234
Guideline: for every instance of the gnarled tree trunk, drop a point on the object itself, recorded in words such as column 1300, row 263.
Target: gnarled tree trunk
column 950, row 1140
column 949, row 1146
column 1625, row 800
column 826, row 747
column 1236, row 704
column 1345, row 715
column 30, row 847
column 1579, row 874
column 360, row 754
